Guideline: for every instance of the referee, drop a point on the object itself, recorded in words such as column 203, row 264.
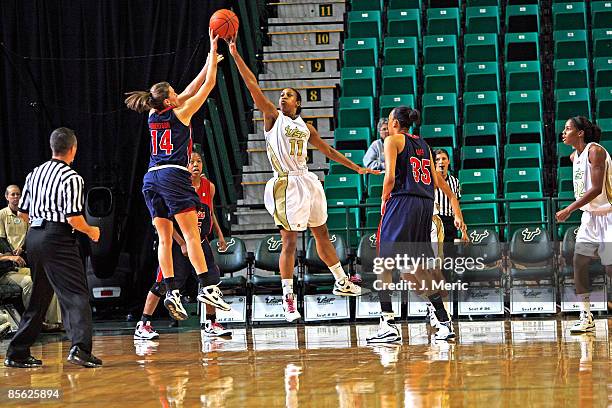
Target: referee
column 446, row 210
column 52, row 201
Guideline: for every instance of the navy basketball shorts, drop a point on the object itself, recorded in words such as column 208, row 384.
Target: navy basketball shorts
column 168, row 192
column 405, row 227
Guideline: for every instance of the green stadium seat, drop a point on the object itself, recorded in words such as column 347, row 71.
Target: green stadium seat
column 337, row 219
column 364, row 24
column 570, row 44
column 603, row 71
column 480, row 215
column 522, row 47
column 569, row 16
column 523, row 19
column 571, row 102
column 399, row 79
column 481, row 76
column 481, row 48
column 440, row 49
column 479, row 134
column 523, row 76
column 606, row 129
column 358, row 81
column 367, row 5
column 404, row 4
column 480, row 157
column 443, row 21
column 375, row 185
column 602, row 42
column 343, row 186
column 360, row 52
column 440, row 109
column 401, row 51
column 525, row 132
column 355, row 156
column 441, row 78
column 356, row 112
column 565, row 179
column 440, row 135
column 484, row 19
column 571, row 73
column 524, row 212
column 603, row 103
column 469, row 198
column 567, row 1
column 601, row 14
column 388, row 102
column 522, row 180
column 444, row 3
column 606, row 144
column 523, row 106
column 563, row 155
column 523, row 155
column 478, row 181
column 352, row 138
column 404, row 23
column 481, row 107
column 482, row 3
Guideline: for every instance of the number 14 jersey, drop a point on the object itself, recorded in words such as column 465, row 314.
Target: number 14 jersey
column 286, row 144
column 413, row 169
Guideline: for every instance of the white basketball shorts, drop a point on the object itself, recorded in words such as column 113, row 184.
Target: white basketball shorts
column 594, row 237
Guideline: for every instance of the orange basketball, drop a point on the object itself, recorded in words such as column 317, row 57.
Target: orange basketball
column 224, row 23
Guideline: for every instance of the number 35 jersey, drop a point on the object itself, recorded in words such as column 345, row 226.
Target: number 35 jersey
column 171, row 141
column 413, row 169
column 287, row 144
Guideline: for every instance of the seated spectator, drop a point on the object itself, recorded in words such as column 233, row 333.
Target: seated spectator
column 12, row 240
column 375, row 156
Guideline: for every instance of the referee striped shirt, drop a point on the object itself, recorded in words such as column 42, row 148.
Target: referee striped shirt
column 442, row 200
column 52, row 191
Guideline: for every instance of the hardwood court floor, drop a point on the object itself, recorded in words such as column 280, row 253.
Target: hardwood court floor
column 492, row 364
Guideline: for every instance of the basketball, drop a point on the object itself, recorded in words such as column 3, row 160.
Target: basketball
column 224, row 23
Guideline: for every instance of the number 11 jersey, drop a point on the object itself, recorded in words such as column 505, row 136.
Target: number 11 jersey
column 287, row 144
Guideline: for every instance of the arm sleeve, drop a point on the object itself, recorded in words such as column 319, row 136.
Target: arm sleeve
column 26, row 194
column 73, row 195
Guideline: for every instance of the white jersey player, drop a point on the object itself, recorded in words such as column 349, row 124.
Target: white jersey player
column 294, row 196
column 592, row 176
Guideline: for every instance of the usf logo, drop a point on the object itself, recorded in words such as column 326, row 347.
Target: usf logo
column 528, row 235
column 576, row 230
column 372, row 239
column 333, row 238
column 273, row 244
column 229, row 243
column 478, row 237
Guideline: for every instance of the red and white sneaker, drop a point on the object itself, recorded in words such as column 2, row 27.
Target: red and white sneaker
column 215, row 330
column 145, row 331
column 290, row 308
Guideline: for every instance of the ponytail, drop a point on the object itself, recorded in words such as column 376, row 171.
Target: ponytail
column 592, row 132
column 142, row 101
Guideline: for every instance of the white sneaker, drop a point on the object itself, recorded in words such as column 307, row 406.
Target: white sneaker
column 445, row 331
column 145, row 331
column 213, row 296
column 172, row 302
column 215, row 330
column 4, row 329
column 431, row 314
column 584, row 325
column 290, row 308
column 387, row 332
column 344, row 287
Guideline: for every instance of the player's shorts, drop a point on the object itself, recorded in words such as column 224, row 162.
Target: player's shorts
column 168, row 192
column 296, row 201
column 437, row 235
column 594, row 237
column 405, row 227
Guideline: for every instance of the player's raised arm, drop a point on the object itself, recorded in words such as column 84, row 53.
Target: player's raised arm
column 333, row 154
column 197, row 82
column 262, row 103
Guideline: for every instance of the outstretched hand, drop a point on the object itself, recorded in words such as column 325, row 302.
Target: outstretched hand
column 231, row 43
column 365, row 170
column 213, row 41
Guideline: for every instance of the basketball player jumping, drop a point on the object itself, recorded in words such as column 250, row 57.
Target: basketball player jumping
column 592, row 177
column 294, row 196
column 167, row 184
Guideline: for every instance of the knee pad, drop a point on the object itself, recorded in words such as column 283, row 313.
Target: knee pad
column 158, row 289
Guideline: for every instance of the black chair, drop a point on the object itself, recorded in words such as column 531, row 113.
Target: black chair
column 317, row 276
column 566, row 271
column 531, row 255
column 366, row 252
column 267, row 256
column 235, row 258
column 484, row 244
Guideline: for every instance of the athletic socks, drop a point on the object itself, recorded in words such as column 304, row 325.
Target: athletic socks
column 145, row 318
column 170, row 286
column 585, row 303
column 208, row 278
column 438, row 304
column 385, row 302
column 337, row 271
column 287, row 285
column 211, row 318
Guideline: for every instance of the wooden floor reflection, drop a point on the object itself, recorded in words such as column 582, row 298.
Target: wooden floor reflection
column 492, row 364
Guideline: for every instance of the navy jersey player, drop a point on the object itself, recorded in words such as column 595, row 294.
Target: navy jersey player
column 167, row 185
column 407, row 209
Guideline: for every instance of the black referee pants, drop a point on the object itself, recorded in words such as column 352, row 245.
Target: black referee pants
column 56, row 265
column 450, row 232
